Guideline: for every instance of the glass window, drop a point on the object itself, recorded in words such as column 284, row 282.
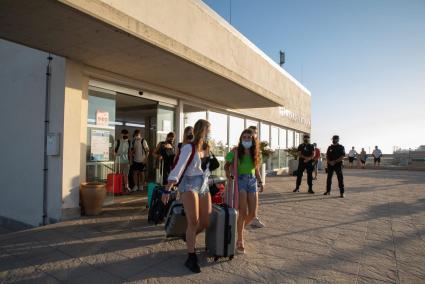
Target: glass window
column 165, row 123
column 297, row 139
column 290, row 138
column 282, row 138
column 192, row 114
column 265, row 132
column 218, row 138
column 250, row 122
column 274, row 145
column 237, row 125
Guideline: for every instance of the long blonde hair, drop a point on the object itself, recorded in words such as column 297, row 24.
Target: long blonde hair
column 199, row 131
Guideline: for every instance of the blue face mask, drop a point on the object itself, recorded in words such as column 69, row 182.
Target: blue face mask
column 247, row 144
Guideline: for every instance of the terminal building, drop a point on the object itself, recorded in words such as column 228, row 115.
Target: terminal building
column 74, row 73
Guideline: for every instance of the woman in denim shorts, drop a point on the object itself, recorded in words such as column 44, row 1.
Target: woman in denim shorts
column 193, row 187
column 248, row 175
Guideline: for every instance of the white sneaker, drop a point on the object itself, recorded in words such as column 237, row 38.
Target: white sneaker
column 135, row 188
column 141, row 188
column 257, row 223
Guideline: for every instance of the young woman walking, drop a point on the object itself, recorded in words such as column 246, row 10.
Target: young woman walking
column 192, row 170
column 249, row 178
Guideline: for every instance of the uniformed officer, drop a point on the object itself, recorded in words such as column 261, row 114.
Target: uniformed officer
column 305, row 162
column 334, row 157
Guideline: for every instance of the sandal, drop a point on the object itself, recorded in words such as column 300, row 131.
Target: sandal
column 240, row 247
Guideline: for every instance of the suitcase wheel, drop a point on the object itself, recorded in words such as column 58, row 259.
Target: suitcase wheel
column 231, row 257
column 216, row 258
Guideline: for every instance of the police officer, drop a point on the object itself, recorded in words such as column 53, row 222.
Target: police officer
column 305, row 162
column 334, row 157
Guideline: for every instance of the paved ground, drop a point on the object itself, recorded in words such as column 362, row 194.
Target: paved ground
column 375, row 235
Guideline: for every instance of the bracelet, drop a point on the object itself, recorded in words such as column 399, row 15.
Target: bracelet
column 260, row 182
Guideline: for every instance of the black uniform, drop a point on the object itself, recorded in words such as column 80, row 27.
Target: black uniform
column 307, row 150
column 334, row 153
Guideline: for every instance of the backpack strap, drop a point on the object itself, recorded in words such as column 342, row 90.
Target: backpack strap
column 192, row 155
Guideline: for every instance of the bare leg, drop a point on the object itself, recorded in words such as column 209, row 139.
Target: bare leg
column 243, row 208
column 205, row 209
column 252, row 206
column 135, row 177
column 191, row 208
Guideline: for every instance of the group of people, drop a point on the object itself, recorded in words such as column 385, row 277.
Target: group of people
column 191, row 171
column 353, row 155
column 309, row 155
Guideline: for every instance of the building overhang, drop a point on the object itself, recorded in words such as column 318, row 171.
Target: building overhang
column 98, row 35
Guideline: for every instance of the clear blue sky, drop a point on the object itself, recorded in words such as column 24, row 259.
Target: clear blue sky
column 362, row 60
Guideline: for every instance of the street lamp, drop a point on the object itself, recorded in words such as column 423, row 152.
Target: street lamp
column 282, row 58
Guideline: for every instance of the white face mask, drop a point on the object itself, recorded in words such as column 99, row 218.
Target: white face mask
column 208, row 137
column 247, row 144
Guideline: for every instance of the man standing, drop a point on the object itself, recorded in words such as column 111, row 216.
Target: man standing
column 376, row 157
column 334, row 157
column 352, row 156
column 305, row 162
column 316, row 160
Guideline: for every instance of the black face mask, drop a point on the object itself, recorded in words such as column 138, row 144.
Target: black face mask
column 306, row 140
column 170, row 141
column 125, row 137
column 189, row 137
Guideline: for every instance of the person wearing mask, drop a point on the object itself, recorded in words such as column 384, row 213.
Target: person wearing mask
column 363, row 157
column 192, row 172
column 122, row 156
column 334, row 157
column 377, row 154
column 249, row 179
column 165, row 152
column 351, row 157
column 140, row 150
column 187, row 139
column 256, row 222
column 316, row 160
column 305, row 162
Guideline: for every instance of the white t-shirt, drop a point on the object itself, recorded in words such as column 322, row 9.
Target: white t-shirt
column 140, row 150
column 377, row 153
column 352, row 153
column 122, row 151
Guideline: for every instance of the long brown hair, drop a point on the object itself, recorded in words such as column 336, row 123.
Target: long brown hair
column 199, row 131
column 254, row 150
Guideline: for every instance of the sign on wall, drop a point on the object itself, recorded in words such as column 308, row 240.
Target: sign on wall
column 102, row 118
column 99, row 145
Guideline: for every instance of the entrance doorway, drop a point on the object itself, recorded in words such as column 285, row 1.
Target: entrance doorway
column 109, row 113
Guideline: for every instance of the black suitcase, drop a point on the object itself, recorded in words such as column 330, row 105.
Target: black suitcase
column 176, row 223
column 158, row 210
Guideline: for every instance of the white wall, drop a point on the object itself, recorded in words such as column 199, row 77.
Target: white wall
column 22, row 90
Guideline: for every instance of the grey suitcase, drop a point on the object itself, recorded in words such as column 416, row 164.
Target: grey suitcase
column 220, row 237
column 176, row 223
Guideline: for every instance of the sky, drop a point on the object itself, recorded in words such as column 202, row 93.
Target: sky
column 362, row 60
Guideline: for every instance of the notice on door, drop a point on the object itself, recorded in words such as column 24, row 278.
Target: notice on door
column 99, row 145
column 102, row 118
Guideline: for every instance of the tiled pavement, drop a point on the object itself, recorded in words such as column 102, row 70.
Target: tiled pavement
column 375, row 235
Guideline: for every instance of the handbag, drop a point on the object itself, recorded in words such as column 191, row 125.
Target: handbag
column 213, row 163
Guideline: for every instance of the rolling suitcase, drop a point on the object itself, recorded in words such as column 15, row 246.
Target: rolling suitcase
column 114, row 183
column 220, row 237
column 176, row 223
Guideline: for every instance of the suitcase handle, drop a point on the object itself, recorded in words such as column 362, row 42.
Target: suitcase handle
column 229, row 234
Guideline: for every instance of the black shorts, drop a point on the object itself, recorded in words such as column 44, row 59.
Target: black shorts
column 363, row 162
column 351, row 159
column 377, row 160
column 138, row 166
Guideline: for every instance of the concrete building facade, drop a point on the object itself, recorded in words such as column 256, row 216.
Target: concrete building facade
column 157, row 66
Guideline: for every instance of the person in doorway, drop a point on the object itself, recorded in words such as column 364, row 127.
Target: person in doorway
column 256, row 222
column 334, row 157
column 351, row 157
column 140, row 150
column 363, row 157
column 249, row 179
column 305, row 162
column 187, row 139
column 165, row 154
column 193, row 187
column 377, row 154
column 316, row 160
column 122, row 156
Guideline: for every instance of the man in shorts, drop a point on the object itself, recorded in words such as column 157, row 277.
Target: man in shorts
column 122, row 156
column 377, row 154
column 351, row 157
column 140, row 151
